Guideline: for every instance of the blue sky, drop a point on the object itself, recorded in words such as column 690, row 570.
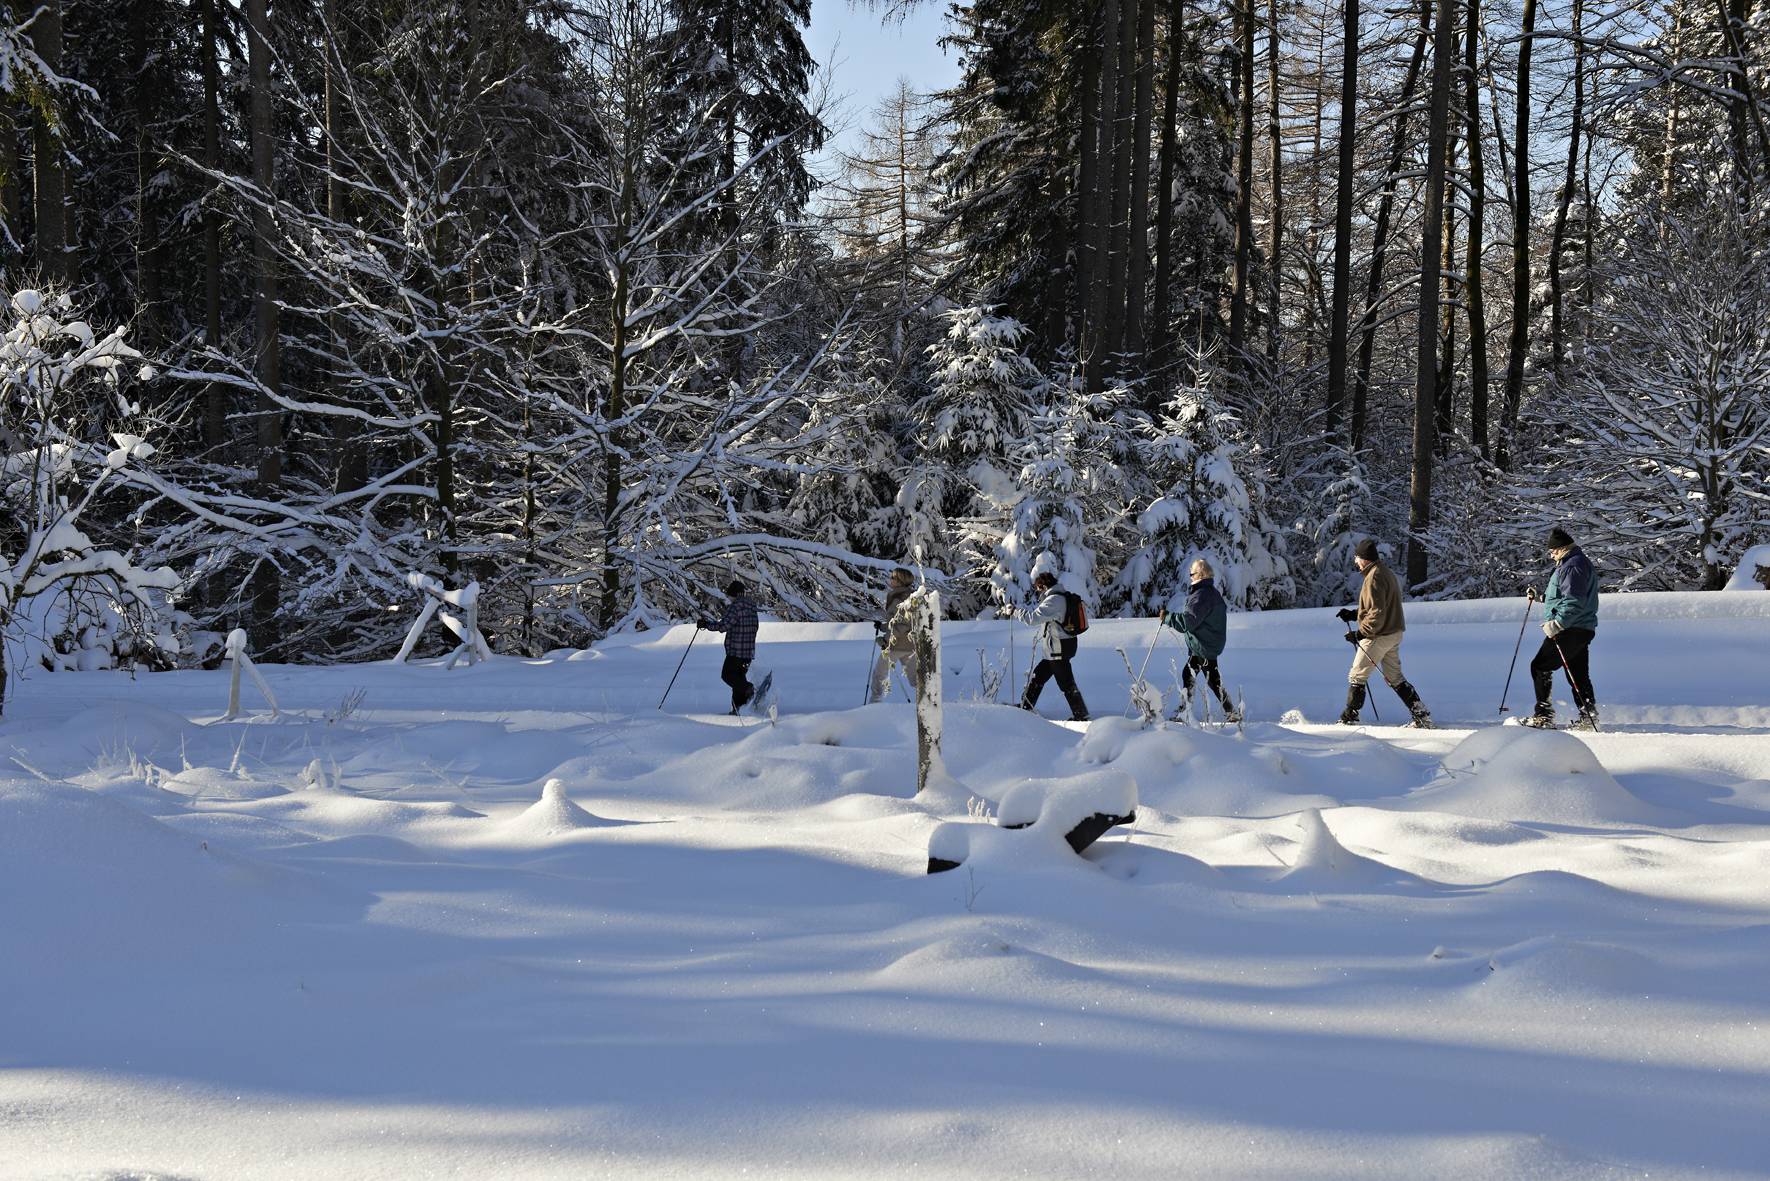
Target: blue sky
column 867, row 57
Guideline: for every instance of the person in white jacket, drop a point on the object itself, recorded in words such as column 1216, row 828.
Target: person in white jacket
column 1056, row 647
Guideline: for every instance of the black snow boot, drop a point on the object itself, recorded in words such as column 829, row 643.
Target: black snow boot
column 1410, row 697
column 1354, row 703
column 1587, row 720
column 1542, row 719
column 1078, row 709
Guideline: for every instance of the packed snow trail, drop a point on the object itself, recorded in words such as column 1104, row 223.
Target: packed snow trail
column 512, row 920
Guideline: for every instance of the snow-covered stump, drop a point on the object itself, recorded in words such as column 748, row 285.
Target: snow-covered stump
column 924, row 609
column 1079, row 811
column 443, row 603
column 238, row 659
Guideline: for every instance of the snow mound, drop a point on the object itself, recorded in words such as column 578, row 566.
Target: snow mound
column 93, row 879
column 122, row 728
column 1185, row 772
column 1744, row 576
column 1551, row 966
column 1513, row 773
column 219, row 783
column 552, row 815
column 1322, row 859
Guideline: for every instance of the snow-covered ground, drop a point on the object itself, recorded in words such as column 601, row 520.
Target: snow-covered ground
column 378, row 945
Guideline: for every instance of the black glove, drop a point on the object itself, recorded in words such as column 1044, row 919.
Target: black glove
column 1347, row 615
column 705, row 625
column 879, row 636
column 1352, row 638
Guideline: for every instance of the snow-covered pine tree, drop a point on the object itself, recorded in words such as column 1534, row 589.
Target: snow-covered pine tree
column 983, row 393
column 1068, row 508
column 1209, row 505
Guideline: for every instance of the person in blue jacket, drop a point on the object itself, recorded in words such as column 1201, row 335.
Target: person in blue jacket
column 1570, row 620
column 1204, row 621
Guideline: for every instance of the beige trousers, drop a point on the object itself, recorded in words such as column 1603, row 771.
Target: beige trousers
column 882, row 672
column 1379, row 652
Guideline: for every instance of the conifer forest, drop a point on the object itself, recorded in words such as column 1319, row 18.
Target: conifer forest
column 576, row 300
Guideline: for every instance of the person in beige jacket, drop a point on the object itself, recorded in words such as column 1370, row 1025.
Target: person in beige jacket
column 1376, row 638
column 896, row 644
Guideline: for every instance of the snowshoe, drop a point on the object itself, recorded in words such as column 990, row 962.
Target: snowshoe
column 1422, row 722
column 1540, row 720
column 759, row 702
column 1587, row 720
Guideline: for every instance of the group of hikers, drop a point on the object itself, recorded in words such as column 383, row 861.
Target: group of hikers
column 1374, row 629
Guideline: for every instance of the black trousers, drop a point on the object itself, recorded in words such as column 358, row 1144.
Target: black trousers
column 733, row 672
column 1043, row 671
column 1208, row 666
column 1575, row 644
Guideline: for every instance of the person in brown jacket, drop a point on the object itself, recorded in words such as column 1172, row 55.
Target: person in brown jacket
column 1377, row 638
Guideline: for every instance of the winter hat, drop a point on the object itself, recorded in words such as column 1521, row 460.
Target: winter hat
column 734, row 588
column 1044, row 578
column 1558, row 538
column 1366, row 549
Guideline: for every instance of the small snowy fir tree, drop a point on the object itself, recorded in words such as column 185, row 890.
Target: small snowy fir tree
column 1337, row 534
column 1065, row 511
column 983, row 392
column 1207, row 508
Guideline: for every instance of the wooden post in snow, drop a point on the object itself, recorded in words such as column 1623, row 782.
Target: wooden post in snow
column 238, row 659
column 924, row 608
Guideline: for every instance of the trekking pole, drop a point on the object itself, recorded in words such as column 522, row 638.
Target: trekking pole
column 1152, row 643
column 1529, row 602
column 679, row 664
column 1370, row 695
column 866, row 695
column 1571, row 682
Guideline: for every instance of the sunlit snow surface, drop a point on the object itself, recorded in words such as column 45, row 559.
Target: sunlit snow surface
column 514, row 921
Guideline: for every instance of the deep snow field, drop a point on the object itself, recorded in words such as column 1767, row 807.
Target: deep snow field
column 360, row 944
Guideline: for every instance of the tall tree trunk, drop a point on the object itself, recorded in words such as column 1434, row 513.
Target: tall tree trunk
column 1558, row 239
column 1244, row 182
column 1137, row 270
column 48, row 169
column 1097, row 335
column 1161, row 305
column 1743, row 108
column 347, row 441
column 1518, row 348
column 215, row 396
column 1123, row 142
column 1346, row 179
column 1274, row 133
column 1444, row 403
column 1419, row 515
column 613, row 474
column 11, row 208
column 1473, row 297
column 148, row 247
column 1089, row 268
column 1668, row 162
column 268, row 360
column 1380, row 234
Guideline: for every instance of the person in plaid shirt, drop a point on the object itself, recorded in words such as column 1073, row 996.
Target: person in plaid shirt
column 739, row 625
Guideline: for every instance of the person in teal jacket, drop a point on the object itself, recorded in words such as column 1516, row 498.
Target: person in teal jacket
column 1570, row 621
column 1204, row 621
